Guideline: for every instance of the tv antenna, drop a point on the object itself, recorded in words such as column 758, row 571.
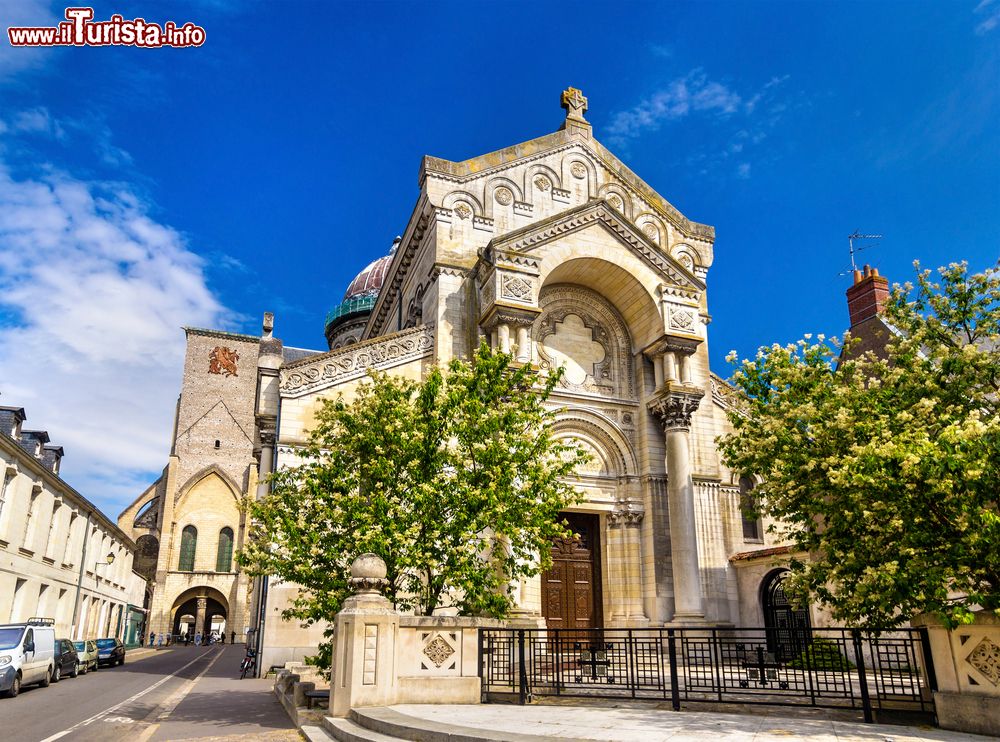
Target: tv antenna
column 854, row 250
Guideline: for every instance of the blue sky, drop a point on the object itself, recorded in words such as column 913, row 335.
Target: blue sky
column 142, row 190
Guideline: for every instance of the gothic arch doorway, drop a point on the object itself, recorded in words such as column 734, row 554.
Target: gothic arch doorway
column 787, row 627
column 571, row 588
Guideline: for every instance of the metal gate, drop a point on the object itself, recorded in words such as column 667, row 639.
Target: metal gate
column 826, row 668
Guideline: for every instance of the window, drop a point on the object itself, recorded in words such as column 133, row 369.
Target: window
column 748, row 511
column 27, row 520
column 224, row 561
column 8, row 477
column 189, row 542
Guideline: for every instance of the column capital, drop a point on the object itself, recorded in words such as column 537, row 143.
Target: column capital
column 625, row 515
column 671, row 344
column 504, row 314
column 268, row 436
column 675, row 404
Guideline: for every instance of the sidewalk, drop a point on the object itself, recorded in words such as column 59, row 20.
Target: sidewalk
column 633, row 724
column 217, row 706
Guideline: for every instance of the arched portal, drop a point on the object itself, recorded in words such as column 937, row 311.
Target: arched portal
column 787, row 626
column 196, row 610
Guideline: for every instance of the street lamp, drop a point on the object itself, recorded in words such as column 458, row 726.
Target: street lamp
column 109, row 559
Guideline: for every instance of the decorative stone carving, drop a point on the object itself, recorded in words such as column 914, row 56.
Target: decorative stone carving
column 268, row 436
column 515, row 287
column 575, row 103
column 610, row 373
column 542, row 183
column 503, row 196
column 222, row 360
column 579, row 170
column 616, row 201
column 650, row 230
column 686, row 260
column 986, row 658
column 368, row 574
column 463, row 211
column 368, row 674
column 676, row 405
column 353, row 361
column 599, row 211
column 437, row 650
column 625, row 515
column 682, row 319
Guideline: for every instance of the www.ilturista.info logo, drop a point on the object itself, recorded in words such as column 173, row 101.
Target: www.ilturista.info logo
column 79, row 29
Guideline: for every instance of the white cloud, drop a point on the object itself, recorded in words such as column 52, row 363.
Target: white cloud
column 93, row 293
column 991, row 10
column 743, row 171
column 693, row 93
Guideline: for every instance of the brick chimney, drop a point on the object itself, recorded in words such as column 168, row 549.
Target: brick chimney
column 867, row 297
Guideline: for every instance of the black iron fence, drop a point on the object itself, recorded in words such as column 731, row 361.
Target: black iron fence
column 829, row 668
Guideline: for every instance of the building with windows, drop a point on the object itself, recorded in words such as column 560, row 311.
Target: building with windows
column 60, row 557
column 552, row 250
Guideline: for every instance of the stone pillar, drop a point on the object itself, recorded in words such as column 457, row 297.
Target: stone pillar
column 364, row 662
column 631, row 537
column 503, row 337
column 199, row 616
column 674, row 405
column 523, row 344
column 616, row 566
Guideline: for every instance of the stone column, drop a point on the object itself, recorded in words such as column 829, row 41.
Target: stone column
column 523, row 344
column 631, row 537
column 199, row 616
column 674, row 405
column 617, row 568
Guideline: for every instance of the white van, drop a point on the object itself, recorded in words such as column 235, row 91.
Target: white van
column 27, row 651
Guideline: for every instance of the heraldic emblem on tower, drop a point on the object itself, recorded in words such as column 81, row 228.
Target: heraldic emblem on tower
column 223, row 361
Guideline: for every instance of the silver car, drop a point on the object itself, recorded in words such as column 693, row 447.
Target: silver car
column 87, row 654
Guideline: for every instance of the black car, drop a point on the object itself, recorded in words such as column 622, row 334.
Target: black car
column 65, row 661
column 110, row 652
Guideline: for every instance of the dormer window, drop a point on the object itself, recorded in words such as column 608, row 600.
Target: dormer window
column 38, row 450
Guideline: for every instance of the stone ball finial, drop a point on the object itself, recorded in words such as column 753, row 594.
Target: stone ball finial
column 368, row 574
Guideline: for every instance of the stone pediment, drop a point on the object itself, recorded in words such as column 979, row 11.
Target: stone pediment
column 518, row 246
column 315, row 373
column 505, row 162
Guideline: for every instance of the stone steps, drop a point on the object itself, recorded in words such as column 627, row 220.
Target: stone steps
column 382, row 724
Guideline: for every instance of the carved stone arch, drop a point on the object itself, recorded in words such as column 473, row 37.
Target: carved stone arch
column 455, row 198
column 686, row 255
column 615, row 194
column 653, row 226
column 572, row 172
column 539, row 170
column 612, row 375
column 595, row 428
column 204, row 474
column 493, row 194
column 415, row 308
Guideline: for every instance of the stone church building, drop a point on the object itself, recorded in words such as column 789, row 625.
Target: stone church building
column 552, row 250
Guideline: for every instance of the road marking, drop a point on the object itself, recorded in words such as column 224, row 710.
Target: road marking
column 166, row 708
column 117, row 706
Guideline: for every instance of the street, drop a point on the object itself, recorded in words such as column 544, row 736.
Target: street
column 164, row 694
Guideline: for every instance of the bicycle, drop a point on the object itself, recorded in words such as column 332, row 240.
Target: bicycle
column 249, row 664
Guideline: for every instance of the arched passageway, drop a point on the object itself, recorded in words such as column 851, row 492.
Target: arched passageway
column 787, row 626
column 198, row 611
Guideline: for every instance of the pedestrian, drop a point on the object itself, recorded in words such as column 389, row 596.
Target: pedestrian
column 222, row 637
column 152, row 637
column 232, row 637
column 197, row 639
column 187, row 639
column 159, row 640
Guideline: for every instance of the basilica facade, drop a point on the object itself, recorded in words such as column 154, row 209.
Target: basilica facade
column 554, row 251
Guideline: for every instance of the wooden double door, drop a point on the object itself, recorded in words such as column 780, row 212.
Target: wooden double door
column 571, row 589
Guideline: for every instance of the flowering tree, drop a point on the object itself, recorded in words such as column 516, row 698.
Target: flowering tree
column 456, row 482
column 886, row 471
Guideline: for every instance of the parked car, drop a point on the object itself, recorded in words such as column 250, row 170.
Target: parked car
column 26, row 654
column 65, row 661
column 110, row 652
column 86, row 653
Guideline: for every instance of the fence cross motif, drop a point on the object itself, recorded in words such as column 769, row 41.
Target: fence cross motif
column 596, row 659
column 762, row 667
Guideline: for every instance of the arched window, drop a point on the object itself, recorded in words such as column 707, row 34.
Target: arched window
column 748, row 511
column 189, row 542
column 224, row 560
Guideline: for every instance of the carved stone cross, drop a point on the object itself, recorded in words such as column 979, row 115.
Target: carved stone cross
column 575, row 104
